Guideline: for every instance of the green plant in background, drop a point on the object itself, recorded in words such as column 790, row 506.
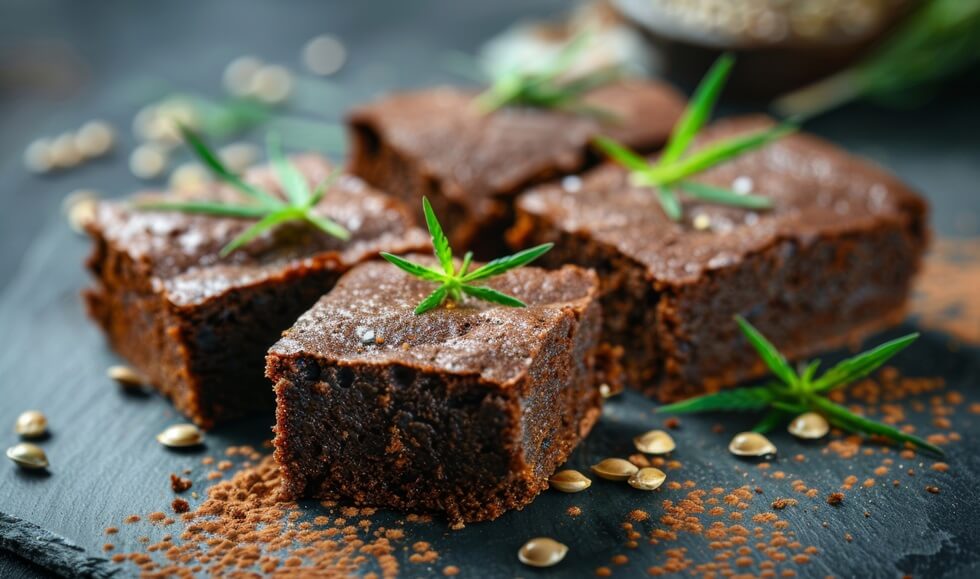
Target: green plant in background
column 270, row 210
column 794, row 393
column 453, row 283
column 938, row 40
column 671, row 173
column 550, row 86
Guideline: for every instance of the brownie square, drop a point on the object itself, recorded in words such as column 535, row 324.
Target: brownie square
column 464, row 410
column 196, row 325
column 435, row 143
column 831, row 262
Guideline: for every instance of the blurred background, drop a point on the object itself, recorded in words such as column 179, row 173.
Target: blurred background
column 88, row 90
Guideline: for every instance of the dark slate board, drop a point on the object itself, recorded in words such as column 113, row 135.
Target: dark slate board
column 105, row 464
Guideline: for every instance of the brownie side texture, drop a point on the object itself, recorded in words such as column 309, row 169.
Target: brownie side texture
column 830, row 263
column 196, row 325
column 464, row 410
column 471, row 164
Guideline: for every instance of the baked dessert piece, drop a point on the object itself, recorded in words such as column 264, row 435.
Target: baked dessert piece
column 436, row 143
column 463, row 410
column 832, row 261
column 197, row 325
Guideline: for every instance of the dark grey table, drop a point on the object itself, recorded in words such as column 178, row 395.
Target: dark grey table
column 103, row 468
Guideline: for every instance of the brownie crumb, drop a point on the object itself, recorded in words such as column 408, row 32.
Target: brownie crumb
column 835, row 498
column 178, row 484
column 180, row 506
column 672, row 423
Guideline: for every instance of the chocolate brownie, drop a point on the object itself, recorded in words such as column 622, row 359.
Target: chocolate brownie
column 832, row 261
column 196, row 325
column 470, row 164
column 464, row 410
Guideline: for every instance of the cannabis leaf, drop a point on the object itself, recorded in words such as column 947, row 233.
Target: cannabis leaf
column 671, row 173
column 270, row 210
column 550, row 86
column 794, row 394
column 453, row 283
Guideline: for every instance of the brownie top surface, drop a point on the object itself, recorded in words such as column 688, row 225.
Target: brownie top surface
column 497, row 153
column 180, row 251
column 817, row 188
column 368, row 318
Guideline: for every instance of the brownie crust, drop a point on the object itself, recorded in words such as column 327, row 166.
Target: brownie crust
column 436, row 143
column 830, row 263
column 196, row 325
column 464, row 410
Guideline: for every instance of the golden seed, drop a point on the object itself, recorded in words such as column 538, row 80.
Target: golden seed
column 751, row 444
column 655, row 442
column 569, row 481
column 272, row 84
column 31, row 424
column 614, row 469
column 239, row 156
column 79, row 208
column 324, row 55
column 239, row 73
column 701, row 222
column 28, row 455
column 180, row 436
column 809, row 425
column 37, row 156
column 647, row 479
column 64, row 154
column 94, row 139
column 147, row 161
column 125, row 376
column 542, row 552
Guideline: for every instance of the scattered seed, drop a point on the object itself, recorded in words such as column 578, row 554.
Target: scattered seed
column 148, row 161
column 272, row 84
column 655, row 442
column 181, row 436
column 701, row 222
column 189, row 177
column 126, row 376
column 239, row 73
column 37, row 156
column 94, row 139
column 614, row 469
column 932, row 489
column 647, row 479
column 239, row 156
column 751, row 444
column 79, row 208
column 542, row 552
column 324, row 55
column 569, row 481
column 28, row 455
column 64, row 154
column 607, row 391
column 809, row 425
column 31, row 424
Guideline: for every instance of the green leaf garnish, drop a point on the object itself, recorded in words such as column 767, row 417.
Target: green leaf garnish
column 454, row 283
column 549, row 86
column 795, row 393
column 270, row 210
column 671, row 173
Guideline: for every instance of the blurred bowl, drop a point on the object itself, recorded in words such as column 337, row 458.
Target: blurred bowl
column 780, row 44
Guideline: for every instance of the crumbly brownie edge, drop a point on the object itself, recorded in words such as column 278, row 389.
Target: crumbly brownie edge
column 660, row 367
column 512, row 470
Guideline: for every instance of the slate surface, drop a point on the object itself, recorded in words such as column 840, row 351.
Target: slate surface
column 105, row 464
